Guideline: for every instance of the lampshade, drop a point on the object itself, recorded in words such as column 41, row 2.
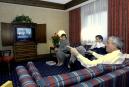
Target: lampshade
column 60, row 32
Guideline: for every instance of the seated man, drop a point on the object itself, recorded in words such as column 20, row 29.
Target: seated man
column 114, row 56
column 61, row 51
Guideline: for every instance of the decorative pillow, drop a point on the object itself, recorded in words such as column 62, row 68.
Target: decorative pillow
column 24, row 77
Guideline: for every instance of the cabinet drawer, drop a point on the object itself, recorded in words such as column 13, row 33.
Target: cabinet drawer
column 25, row 51
column 25, row 47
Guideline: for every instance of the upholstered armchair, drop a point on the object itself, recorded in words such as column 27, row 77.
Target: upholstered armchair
column 7, row 84
column 6, row 58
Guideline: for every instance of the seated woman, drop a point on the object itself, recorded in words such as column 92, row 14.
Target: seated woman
column 61, row 51
column 98, row 46
column 98, row 42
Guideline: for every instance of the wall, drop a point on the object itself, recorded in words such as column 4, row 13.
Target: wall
column 54, row 19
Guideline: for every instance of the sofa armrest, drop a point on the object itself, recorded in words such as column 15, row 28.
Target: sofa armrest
column 24, row 77
column 34, row 72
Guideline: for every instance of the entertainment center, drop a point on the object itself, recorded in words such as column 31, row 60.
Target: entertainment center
column 24, row 38
column 25, row 50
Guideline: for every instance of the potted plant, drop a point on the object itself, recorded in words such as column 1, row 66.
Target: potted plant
column 22, row 19
column 55, row 39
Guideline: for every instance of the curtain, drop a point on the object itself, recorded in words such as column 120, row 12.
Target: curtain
column 93, row 20
column 74, row 26
column 118, row 20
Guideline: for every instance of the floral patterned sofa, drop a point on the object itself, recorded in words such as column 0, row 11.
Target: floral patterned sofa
column 104, row 75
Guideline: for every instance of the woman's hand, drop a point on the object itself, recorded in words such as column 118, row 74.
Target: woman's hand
column 74, row 51
column 56, row 49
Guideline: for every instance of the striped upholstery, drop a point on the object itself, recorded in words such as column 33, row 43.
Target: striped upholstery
column 34, row 71
column 111, row 67
column 24, row 77
column 118, row 78
column 78, row 76
column 70, row 78
column 88, row 76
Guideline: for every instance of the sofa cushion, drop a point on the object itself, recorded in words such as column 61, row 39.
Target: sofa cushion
column 70, row 78
column 24, row 77
column 118, row 78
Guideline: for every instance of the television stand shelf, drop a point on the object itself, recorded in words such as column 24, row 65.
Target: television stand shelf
column 25, row 50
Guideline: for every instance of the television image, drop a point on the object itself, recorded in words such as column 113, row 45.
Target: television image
column 24, row 34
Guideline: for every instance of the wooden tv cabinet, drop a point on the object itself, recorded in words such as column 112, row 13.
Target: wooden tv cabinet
column 25, row 50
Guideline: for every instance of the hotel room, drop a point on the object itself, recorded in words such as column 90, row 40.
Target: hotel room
column 33, row 54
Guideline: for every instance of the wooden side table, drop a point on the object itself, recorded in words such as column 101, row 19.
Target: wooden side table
column 52, row 51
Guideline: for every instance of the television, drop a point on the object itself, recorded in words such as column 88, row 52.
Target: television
column 24, row 34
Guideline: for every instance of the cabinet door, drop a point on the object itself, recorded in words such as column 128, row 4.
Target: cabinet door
column 7, row 34
column 40, row 33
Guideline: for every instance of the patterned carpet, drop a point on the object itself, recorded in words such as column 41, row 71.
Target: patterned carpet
column 43, row 68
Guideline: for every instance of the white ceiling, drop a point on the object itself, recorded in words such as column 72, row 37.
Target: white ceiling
column 58, row 1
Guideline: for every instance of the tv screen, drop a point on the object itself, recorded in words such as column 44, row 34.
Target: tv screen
column 24, row 34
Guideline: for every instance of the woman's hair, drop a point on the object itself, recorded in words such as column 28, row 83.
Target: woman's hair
column 64, row 35
column 100, row 37
column 117, row 41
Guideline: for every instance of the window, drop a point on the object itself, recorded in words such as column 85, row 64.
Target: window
column 93, row 20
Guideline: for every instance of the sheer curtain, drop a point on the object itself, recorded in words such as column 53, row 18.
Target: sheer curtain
column 94, row 20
